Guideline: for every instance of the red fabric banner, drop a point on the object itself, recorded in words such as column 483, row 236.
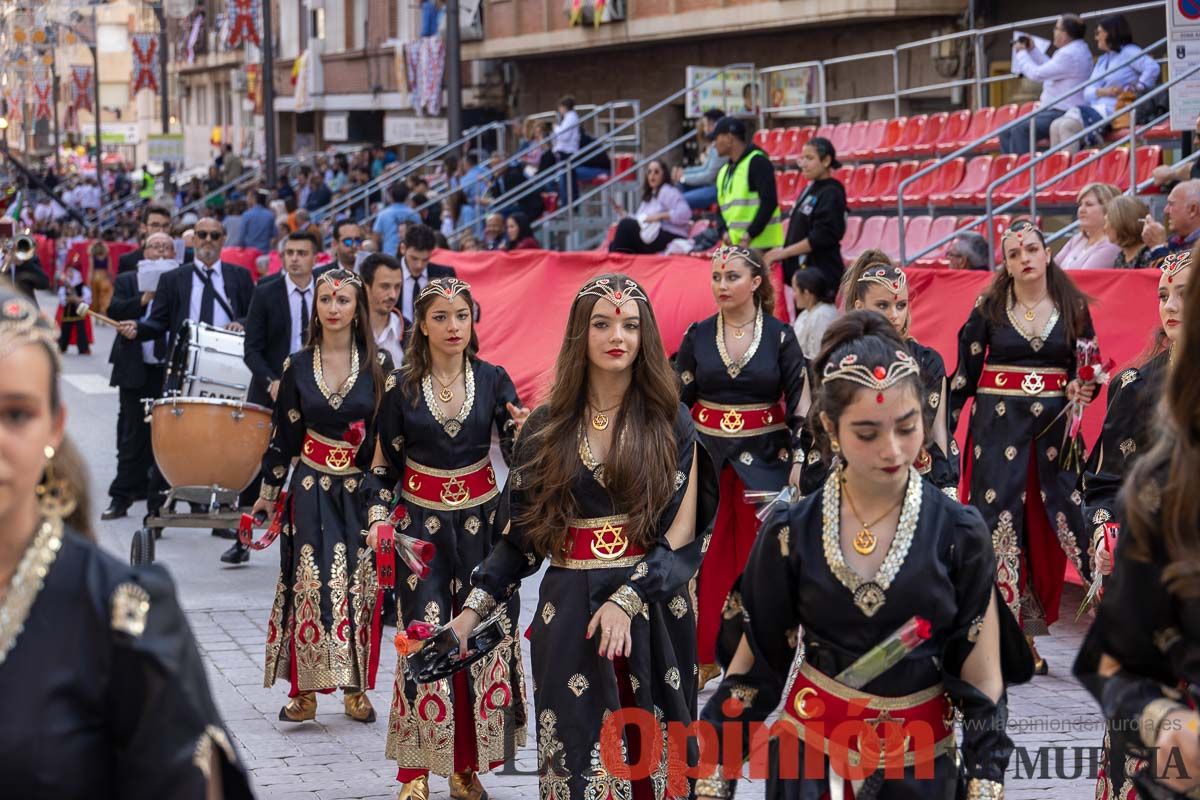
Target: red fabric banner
column 145, row 51
column 245, row 24
column 524, row 298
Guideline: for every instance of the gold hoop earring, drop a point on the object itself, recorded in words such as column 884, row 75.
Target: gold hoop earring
column 55, row 496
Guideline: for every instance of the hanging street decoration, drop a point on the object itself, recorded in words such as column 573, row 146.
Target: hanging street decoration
column 81, row 87
column 245, row 23
column 145, row 53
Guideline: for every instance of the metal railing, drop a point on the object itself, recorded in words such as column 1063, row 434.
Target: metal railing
column 974, row 39
column 1031, row 165
column 565, row 169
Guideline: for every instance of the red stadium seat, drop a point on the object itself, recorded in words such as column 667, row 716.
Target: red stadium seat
column 906, row 169
column 975, row 175
column 885, row 176
column 869, row 236
column 1016, row 185
column 1028, row 107
column 949, row 176
column 917, row 193
column 787, row 140
column 825, row 132
column 916, row 234
column 876, row 132
column 1148, row 157
column 980, row 126
column 853, row 139
column 1000, row 223
column 926, row 143
column 858, row 184
column 1003, row 116
column 840, row 136
column 1112, row 167
column 893, row 134
column 942, row 227
column 842, row 174
column 786, row 187
column 773, row 143
column 1064, row 191
column 1160, row 132
column 800, row 138
column 853, row 229
column 1001, row 165
column 889, row 239
column 760, row 138
column 1047, row 168
column 912, row 133
column 953, row 130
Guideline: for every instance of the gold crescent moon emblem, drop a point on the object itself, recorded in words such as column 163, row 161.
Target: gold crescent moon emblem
column 703, row 415
column 414, row 485
column 1001, row 379
column 798, row 705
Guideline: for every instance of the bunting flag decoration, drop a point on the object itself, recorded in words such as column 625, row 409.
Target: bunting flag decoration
column 145, row 52
column 245, row 24
column 81, row 87
column 41, row 99
column 16, row 101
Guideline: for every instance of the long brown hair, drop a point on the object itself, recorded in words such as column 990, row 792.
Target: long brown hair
column 417, row 358
column 1072, row 304
column 360, row 329
column 851, row 289
column 1165, row 518
column 764, row 295
column 640, row 470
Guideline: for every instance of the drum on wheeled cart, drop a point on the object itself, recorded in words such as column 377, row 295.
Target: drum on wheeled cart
column 207, row 441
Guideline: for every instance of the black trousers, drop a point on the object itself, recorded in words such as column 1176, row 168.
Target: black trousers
column 135, row 458
column 64, row 336
column 628, row 239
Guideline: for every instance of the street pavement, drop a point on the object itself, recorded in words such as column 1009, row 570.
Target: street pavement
column 335, row 757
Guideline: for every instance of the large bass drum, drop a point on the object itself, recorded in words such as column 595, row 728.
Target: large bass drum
column 207, row 362
column 209, row 442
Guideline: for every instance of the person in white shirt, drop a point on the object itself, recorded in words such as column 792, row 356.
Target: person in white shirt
column 566, row 132
column 815, row 309
column 384, row 276
column 1059, row 74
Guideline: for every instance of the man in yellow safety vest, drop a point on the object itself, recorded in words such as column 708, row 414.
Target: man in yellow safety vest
column 746, row 194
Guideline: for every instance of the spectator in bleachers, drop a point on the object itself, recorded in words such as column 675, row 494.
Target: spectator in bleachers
column 661, row 218
column 1070, row 66
column 319, row 195
column 494, row 233
column 969, row 250
column 387, row 224
column 818, row 220
column 746, row 197
column 476, row 181
column 451, row 213
column 233, row 219
column 815, row 309
column 699, row 183
column 1183, row 212
column 566, row 132
column 258, row 223
column 520, row 233
column 1134, row 71
column 1090, row 248
column 1123, row 219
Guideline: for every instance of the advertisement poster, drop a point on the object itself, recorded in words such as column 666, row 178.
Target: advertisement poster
column 733, row 91
column 1183, row 54
column 791, row 90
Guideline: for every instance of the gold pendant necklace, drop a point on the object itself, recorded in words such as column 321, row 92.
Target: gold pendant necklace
column 739, row 331
column 446, row 394
column 865, row 540
column 1031, row 311
column 600, row 419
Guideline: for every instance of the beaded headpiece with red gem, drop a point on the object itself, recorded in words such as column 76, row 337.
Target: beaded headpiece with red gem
column 616, row 289
column 877, row 378
column 1175, row 263
column 337, row 278
column 22, row 323
column 726, row 253
column 889, row 277
column 1021, row 229
column 448, row 288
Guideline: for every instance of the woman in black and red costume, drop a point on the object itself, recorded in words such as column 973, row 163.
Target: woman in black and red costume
column 742, row 373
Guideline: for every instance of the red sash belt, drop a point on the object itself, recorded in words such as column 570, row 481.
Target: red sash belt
column 328, row 455
column 817, row 704
column 1023, row 381
column 722, row 420
column 449, row 490
column 599, row 543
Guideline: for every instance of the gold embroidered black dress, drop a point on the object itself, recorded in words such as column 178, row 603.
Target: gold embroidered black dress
column 575, row 688
column 1026, row 496
column 324, row 630
column 104, row 693
column 441, row 469
column 749, row 418
column 798, row 591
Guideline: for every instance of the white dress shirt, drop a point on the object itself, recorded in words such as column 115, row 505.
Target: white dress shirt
column 220, row 318
column 566, row 134
column 293, row 295
column 391, row 339
column 410, row 295
column 1070, row 66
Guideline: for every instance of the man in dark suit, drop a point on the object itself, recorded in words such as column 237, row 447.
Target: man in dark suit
column 416, row 250
column 155, row 219
column 205, row 290
column 137, row 373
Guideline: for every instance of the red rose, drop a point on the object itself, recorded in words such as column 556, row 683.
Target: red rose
column 356, row 433
column 923, row 629
column 1087, row 374
column 420, row 630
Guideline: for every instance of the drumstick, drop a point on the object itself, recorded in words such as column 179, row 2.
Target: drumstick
column 83, row 309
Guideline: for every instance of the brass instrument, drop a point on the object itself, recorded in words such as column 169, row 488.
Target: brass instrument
column 22, row 247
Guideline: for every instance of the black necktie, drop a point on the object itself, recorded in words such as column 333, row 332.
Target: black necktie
column 416, row 289
column 303, row 316
column 209, row 297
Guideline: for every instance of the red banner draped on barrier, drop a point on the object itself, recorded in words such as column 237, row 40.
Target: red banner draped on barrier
column 524, row 299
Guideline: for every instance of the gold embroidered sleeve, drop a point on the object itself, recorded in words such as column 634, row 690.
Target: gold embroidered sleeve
column 980, row 789
column 480, row 602
column 628, row 599
column 377, row 513
column 1153, row 716
column 714, row 786
column 950, row 491
column 268, row 492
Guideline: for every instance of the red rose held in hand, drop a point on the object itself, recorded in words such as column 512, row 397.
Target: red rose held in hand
column 356, row 433
column 1087, row 374
column 420, row 630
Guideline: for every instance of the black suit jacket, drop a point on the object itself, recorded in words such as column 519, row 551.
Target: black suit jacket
column 129, row 261
column 172, row 301
column 269, row 335
column 432, row 272
column 129, row 370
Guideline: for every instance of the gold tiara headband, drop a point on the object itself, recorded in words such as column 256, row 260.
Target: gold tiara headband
column 337, row 278
column 615, row 290
column 448, row 288
column 890, row 278
column 21, row 323
column 877, row 378
column 1175, row 263
column 726, row 253
column 1020, row 229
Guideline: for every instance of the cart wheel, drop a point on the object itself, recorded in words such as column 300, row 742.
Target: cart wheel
column 141, row 549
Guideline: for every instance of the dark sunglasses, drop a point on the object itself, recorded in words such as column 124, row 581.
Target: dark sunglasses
column 214, row 236
column 348, row 242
